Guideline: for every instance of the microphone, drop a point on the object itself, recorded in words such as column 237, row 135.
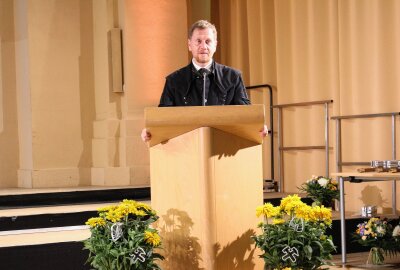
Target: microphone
column 204, row 72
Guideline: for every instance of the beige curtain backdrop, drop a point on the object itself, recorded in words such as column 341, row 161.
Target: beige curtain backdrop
column 312, row 50
column 369, row 64
column 8, row 107
column 247, row 42
column 308, row 50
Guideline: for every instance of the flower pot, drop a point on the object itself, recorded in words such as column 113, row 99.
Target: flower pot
column 376, row 256
column 333, row 204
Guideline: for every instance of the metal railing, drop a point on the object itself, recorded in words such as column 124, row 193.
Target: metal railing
column 291, row 148
column 271, row 121
column 340, row 163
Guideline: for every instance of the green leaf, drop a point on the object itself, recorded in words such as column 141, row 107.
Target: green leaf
column 294, row 242
column 308, row 251
column 318, row 244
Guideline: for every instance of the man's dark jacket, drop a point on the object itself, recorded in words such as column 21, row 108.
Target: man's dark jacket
column 225, row 87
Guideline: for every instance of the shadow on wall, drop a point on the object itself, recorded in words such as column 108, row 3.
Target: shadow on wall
column 236, row 255
column 181, row 251
column 372, row 195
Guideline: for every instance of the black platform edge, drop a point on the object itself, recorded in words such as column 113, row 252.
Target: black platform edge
column 60, row 256
column 73, row 197
column 277, row 201
column 45, row 220
column 72, row 219
column 65, row 256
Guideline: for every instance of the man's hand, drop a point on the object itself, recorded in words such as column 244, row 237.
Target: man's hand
column 146, row 135
column 264, row 131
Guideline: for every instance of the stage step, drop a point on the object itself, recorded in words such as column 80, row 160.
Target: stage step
column 44, row 229
column 44, row 236
column 50, row 216
column 42, row 208
column 13, row 198
column 50, row 234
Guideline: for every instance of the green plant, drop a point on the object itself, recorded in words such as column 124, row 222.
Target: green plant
column 321, row 190
column 380, row 236
column 293, row 235
column 122, row 237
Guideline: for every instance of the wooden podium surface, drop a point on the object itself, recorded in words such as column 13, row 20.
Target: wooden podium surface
column 206, row 184
column 169, row 122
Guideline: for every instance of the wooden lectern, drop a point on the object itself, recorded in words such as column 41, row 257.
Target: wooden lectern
column 206, row 182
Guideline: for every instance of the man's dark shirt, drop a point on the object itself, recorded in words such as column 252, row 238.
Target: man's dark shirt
column 184, row 87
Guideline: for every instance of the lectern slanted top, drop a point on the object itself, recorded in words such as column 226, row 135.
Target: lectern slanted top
column 166, row 123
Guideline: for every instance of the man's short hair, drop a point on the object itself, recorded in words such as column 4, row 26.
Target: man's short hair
column 202, row 24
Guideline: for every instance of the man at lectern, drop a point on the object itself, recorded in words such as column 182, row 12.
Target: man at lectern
column 203, row 82
column 223, row 85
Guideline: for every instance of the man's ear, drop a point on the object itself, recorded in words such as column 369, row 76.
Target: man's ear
column 189, row 45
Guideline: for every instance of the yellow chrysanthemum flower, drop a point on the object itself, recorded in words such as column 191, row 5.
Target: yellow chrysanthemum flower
column 259, row 210
column 268, row 210
column 277, row 221
column 304, row 211
column 133, row 207
column 114, row 215
column 96, row 221
column 123, row 209
column 126, row 201
column 291, row 203
column 152, row 238
column 140, row 213
column 289, row 207
column 145, row 207
column 321, row 213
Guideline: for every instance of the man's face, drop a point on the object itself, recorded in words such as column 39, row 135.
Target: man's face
column 202, row 45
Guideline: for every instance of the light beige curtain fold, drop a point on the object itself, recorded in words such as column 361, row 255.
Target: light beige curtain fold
column 309, row 50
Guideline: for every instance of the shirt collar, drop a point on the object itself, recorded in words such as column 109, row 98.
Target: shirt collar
column 197, row 67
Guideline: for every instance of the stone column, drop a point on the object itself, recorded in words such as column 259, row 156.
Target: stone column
column 155, row 45
column 52, row 99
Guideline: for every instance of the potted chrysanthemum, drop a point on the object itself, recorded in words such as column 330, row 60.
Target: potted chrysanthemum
column 322, row 190
column 293, row 235
column 122, row 237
